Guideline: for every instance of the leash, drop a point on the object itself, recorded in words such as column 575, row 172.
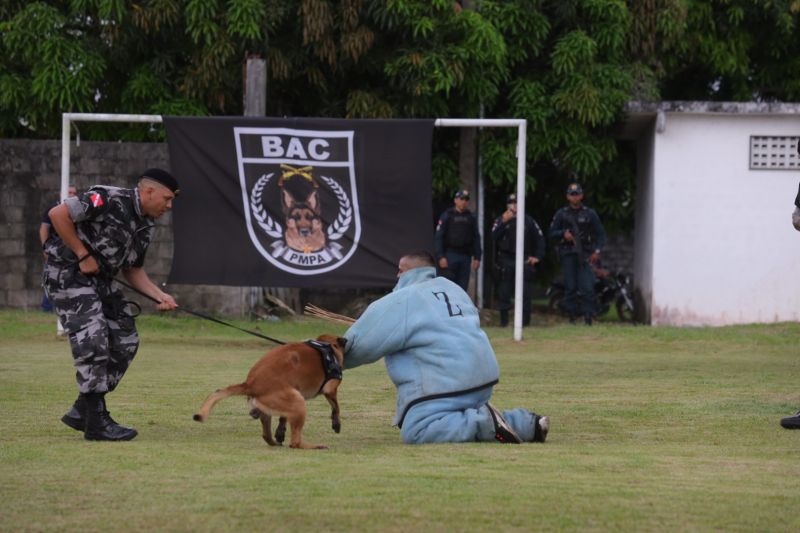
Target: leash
column 201, row 315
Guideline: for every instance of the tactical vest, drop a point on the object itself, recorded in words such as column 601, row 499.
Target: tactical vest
column 507, row 244
column 581, row 219
column 117, row 234
column 459, row 231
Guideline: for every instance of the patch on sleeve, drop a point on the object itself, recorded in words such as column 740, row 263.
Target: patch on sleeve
column 96, row 200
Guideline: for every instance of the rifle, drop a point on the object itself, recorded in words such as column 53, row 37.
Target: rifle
column 576, row 234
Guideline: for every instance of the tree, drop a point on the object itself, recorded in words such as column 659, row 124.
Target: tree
column 736, row 50
column 567, row 66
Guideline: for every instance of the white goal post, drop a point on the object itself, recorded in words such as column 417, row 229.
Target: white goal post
column 520, row 124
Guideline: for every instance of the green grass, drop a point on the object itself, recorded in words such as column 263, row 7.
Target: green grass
column 653, row 429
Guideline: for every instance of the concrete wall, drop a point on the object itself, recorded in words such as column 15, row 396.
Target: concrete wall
column 723, row 247
column 30, row 178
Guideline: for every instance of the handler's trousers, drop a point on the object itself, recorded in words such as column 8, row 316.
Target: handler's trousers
column 463, row 418
column 578, row 284
column 459, row 268
column 102, row 335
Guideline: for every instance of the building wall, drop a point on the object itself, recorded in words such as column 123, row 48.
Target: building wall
column 643, row 234
column 723, row 247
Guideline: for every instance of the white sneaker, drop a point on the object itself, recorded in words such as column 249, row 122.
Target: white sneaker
column 543, row 429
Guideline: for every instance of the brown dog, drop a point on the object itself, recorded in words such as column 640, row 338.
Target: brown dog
column 280, row 383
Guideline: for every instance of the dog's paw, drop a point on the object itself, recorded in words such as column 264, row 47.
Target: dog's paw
column 198, row 418
column 337, row 426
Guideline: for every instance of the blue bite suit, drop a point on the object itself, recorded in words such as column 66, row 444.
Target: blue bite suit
column 437, row 356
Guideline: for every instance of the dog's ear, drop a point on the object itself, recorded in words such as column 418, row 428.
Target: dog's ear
column 287, row 201
column 313, row 202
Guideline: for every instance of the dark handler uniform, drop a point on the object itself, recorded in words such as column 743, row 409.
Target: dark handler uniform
column 505, row 239
column 590, row 237
column 92, row 310
column 111, row 224
column 457, row 239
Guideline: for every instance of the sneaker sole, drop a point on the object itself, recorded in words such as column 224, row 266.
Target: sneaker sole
column 503, row 431
column 544, row 428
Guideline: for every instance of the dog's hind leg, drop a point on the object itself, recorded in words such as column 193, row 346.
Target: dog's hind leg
column 330, row 394
column 214, row 397
column 266, row 430
column 280, row 431
column 260, row 411
column 294, row 409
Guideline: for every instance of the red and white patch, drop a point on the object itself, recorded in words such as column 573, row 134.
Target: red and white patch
column 96, row 199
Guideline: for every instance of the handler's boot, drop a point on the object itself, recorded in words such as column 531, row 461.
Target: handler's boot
column 75, row 417
column 99, row 424
column 791, row 422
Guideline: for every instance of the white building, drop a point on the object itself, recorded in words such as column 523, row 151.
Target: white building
column 714, row 242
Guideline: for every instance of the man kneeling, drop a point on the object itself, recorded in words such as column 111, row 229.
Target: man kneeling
column 439, row 359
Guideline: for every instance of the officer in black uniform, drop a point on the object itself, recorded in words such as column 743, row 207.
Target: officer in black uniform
column 457, row 242
column 504, row 235
column 98, row 234
column 580, row 237
column 793, row 422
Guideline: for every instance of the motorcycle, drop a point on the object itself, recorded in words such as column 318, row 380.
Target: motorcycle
column 609, row 289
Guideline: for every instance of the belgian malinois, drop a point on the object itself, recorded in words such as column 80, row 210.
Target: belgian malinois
column 280, row 383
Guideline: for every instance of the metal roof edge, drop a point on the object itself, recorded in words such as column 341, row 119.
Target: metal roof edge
column 698, row 107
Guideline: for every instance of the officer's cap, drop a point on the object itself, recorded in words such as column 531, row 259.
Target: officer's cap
column 511, row 199
column 574, row 188
column 463, row 193
column 163, row 177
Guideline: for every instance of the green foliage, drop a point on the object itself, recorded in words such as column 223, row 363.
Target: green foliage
column 566, row 66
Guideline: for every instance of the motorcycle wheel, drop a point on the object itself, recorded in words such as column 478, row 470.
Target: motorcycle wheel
column 624, row 312
column 554, row 303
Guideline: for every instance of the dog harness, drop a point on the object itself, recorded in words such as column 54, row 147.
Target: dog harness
column 331, row 366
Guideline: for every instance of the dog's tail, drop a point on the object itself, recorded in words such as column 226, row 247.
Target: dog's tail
column 214, row 397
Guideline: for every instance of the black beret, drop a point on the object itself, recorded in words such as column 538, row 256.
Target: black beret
column 164, row 178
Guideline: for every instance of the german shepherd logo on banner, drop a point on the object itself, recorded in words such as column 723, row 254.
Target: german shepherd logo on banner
column 299, row 195
column 298, row 202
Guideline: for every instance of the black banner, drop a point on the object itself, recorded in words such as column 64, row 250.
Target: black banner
column 298, row 202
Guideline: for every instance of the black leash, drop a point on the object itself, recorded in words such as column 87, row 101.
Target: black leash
column 201, row 315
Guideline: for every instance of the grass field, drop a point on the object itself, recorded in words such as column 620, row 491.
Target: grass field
column 653, row 429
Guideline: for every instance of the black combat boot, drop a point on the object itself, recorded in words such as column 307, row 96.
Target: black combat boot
column 99, row 425
column 75, row 417
column 503, row 318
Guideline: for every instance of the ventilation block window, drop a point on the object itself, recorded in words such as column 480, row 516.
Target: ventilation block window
column 774, row 153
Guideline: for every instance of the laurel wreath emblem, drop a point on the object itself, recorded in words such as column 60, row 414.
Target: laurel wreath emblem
column 345, row 217
column 271, row 227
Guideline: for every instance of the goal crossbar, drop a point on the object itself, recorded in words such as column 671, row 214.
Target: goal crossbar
column 520, row 124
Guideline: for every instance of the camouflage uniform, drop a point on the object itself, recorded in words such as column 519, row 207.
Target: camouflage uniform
column 92, row 310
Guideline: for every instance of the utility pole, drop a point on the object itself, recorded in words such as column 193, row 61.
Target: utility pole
column 255, row 105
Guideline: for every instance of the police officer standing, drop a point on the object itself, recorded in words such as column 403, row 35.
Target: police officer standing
column 457, row 241
column 793, row 422
column 97, row 234
column 581, row 238
column 504, row 235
